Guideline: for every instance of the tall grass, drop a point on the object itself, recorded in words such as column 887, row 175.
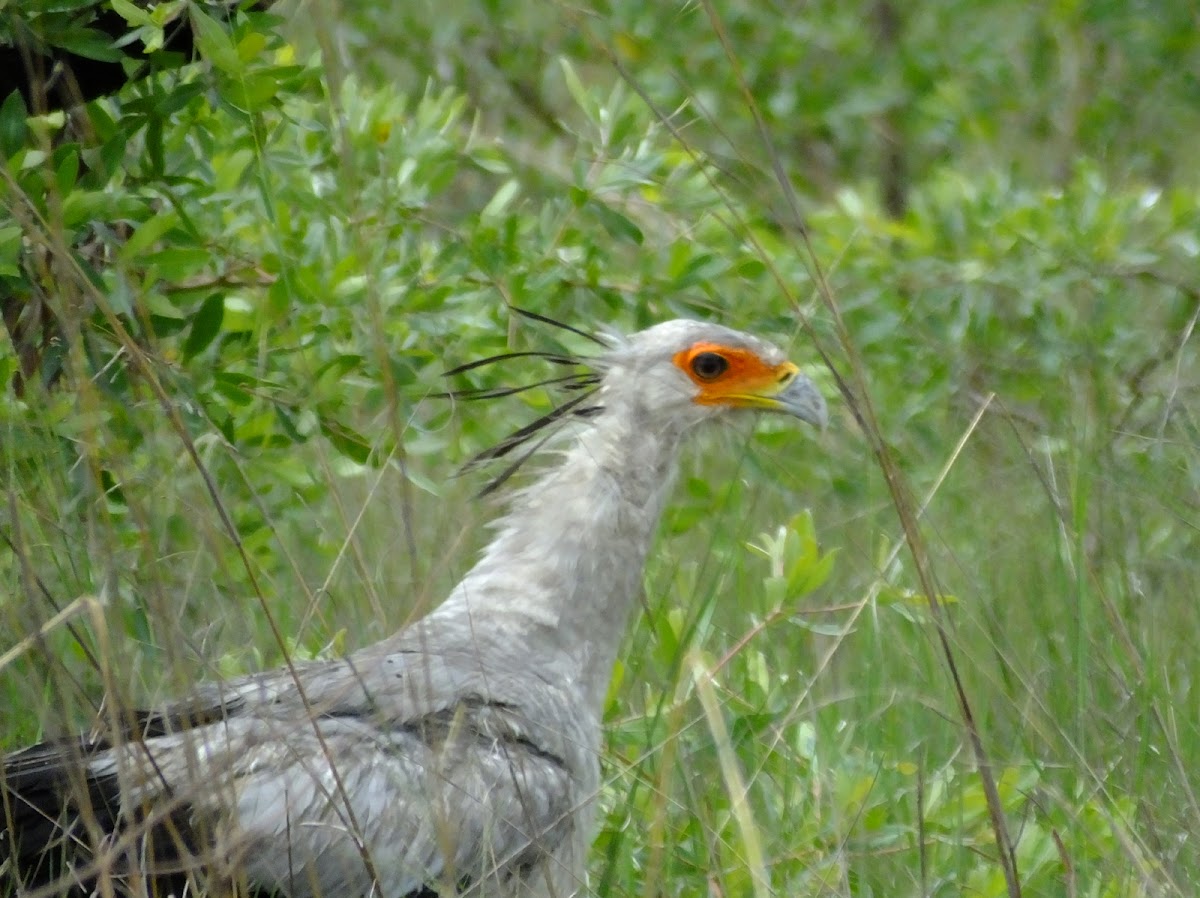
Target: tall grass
column 763, row 737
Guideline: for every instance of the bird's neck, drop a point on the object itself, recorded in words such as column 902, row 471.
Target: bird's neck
column 565, row 569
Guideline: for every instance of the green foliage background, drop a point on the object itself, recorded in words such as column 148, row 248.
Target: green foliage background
column 259, row 265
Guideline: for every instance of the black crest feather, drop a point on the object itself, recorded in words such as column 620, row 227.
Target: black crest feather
column 531, row 437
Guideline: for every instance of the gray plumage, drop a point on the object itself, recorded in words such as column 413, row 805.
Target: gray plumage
column 458, row 756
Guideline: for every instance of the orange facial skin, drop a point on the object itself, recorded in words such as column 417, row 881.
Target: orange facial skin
column 735, row 377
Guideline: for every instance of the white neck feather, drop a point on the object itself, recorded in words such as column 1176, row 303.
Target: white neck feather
column 565, row 568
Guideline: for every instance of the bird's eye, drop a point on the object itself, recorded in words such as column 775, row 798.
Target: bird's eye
column 709, row 365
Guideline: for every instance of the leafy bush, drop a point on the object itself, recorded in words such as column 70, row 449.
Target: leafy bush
column 235, row 287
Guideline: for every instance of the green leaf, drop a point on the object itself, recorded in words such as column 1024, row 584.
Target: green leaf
column 240, row 314
column 148, row 233
column 501, row 200
column 347, row 441
column 251, row 46
column 206, row 324
column 154, row 147
column 90, row 43
column 10, row 250
column 134, row 15
column 214, row 43
column 821, row 629
column 238, row 389
column 13, row 127
column 260, row 431
column 111, row 156
column 618, row 225
column 249, row 92
column 164, row 13
column 288, row 423
column 82, row 206
column 178, row 262
column 66, row 167
column 810, row 577
column 578, row 92
column 337, row 368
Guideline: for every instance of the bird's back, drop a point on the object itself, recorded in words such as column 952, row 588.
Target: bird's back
column 407, row 767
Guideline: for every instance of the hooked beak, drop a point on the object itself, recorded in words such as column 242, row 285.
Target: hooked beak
column 793, row 394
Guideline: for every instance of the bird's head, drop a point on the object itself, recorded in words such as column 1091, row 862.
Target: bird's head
column 669, row 377
column 689, row 371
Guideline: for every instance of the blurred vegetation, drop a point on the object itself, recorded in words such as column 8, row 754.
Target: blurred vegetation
column 231, row 288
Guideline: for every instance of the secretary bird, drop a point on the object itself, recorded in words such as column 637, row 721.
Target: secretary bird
column 458, row 756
